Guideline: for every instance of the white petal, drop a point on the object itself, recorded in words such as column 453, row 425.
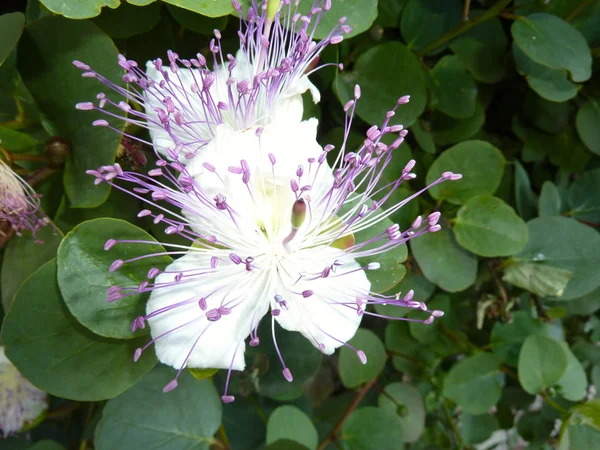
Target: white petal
column 220, row 343
column 323, row 318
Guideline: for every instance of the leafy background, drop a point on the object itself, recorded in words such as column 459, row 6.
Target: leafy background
column 502, row 91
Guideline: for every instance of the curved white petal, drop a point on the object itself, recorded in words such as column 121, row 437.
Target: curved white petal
column 329, row 317
column 217, row 344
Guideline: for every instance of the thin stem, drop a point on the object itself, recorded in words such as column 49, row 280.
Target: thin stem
column 467, row 25
column 466, row 10
column 223, row 437
column 336, row 430
column 578, row 10
column 450, row 419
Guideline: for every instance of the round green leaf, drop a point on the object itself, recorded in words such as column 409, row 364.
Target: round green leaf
column 584, row 197
column 352, row 371
column 564, row 243
column 408, row 404
column 507, row 339
column 11, row 28
column 288, row 422
column 58, row 355
column 83, row 275
column 477, row 428
column 128, row 20
column 584, row 306
column 473, row 383
column 481, row 165
column 372, row 428
column 213, row 8
column 542, row 363
column 360, row 15
column 487, row 226
column 439, row 15
column 446, row 130
column 550, row 200
column 554, row 43
column 573, row 384
column 57, row 86
column 454, row 88
column 22, row 257
column 443, row 262
column 144, row 417
column 376, row 71
column 587, row 120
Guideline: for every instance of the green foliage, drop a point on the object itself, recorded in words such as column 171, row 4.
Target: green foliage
column 504, row 92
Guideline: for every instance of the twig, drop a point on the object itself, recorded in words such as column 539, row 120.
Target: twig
column 466, row 10
column 464, row 26
column 336, row 430
column 455, row 432
column 578, row 10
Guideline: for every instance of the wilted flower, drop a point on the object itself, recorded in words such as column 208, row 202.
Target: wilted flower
column 261, row 85
column 21, row 403
column 271, row 227
column 19, row 204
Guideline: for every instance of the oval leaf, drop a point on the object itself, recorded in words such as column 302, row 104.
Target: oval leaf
column 352, row 371
column 288, row 422
column 60, row 356
column 542, row 363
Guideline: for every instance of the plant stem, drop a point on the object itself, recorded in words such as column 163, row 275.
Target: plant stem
column 336, row 430
column 455, row 432
column 466, row 10
column 467, row 25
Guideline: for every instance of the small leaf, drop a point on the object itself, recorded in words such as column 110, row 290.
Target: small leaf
column 454, row 88
column 288, row 422
column 201, row 374
column 144, row 417
column 11, row 28
column 573, row 384
column 542, row 363
column 443, row 262
column 507, row 339
column 79, row 10
column 352, row 370
column 587, row 121
column 487, row 226
column 447, row 131
column 550, row 201
column 584, row 197
column 481, row 165
column 477, row 428
column 473, row 383
column 526, row 199
column 376, row 72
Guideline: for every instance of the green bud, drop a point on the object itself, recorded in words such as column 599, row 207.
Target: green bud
column 298, row 213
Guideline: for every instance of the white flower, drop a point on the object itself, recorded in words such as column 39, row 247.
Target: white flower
column 21, row 402
column 263, row 84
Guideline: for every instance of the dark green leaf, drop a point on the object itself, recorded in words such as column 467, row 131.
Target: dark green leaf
column 11, row 28
column 23, row 257
column 144, row 417
column 57, row 86
column 477, row 428
column 128, row 20
column 473, row 383
column 47, row 444
column 454, row 88
column 443, row 262
column 573, row 384
column 439, row 15
column 526, row 199
column 79, row 10
column 507, row 339
column 376, row 71
column 360, row 15
column 542, row 363
column 60, row 356
column 587, row 121
column 550, row 201
column 446, row 130
column 352, row 371
column 584, row 197
column 197, row 22
column 214, row 8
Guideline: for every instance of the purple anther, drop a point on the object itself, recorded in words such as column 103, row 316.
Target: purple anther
column 202, row 304
column 109, row 244
column 307, row 293
column 417, row 222
column 272, row 158
column 409, row 296
column 213, row 262
column 356, row 91
column 235, row 258
column 254, row 342
column 115, row 265
column 435, row 228
column 373, row 266
column 152, row 273
column 287, row 374
column 224, row 310
column 294, row 185
column 437, row 313
column 404, row 99
column 361, row 355
column 348, row 105
column 429, row 320
column 299, row 170
column 100, row 123
column 275, row 312
column 170, row 386
column 213, row 315
column 137, row 354
column 433, row 217
column 227, row 398
column 84, row 106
